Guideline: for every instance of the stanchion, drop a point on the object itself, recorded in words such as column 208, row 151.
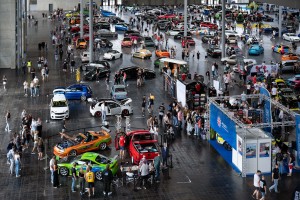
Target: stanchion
column 47, row 120
column 171, row 158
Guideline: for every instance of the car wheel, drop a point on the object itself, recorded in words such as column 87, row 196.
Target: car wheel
column 98, row 114
column 113, row 58
column 63, row 171
column 125, row 112
column 102, row 146
column 121, row 56
column 73, row 152
column 83, row 98
column 98, row 175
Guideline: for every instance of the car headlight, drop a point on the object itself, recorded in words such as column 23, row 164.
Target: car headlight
column 52, row 111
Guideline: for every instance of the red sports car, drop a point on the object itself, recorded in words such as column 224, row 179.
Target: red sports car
column 139, row 143
column 166, row 16
column 209, row 25
column 75, row 28
column 188, row 40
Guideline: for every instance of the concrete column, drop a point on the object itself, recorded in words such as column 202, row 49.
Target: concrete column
column 280, row 22
column 24, row 30
column 223, row 28
column 91, row 41
column 81, row 18
column 185, row 18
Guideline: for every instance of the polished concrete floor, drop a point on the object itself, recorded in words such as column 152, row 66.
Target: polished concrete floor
column 198, row 173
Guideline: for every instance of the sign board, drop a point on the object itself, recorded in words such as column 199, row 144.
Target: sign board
column 181, row 92
column 297, row 119
column 223, row 125
column 267, row 114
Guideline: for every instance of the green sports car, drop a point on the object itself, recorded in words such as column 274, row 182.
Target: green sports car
column 97, row 161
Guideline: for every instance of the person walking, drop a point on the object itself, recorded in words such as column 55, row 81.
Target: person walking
column 256, row 183
column 25, row 85
column 7, row 120
column 90, row 179
column 275, row 178
column 165, row 154
column 55, row 175
column 144, row 170
column 143, row 105
column 263, row 187
column 4, row 79
column 51, row 166
column 11, row 159
column 73, row 171
column 41, row 148
column 198, row 55
column 161, row 113
column 107, row 177
column 157, row 163
column 17, row 163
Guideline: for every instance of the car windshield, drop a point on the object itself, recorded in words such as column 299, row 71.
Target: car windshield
column 59, row 104
column 102, row 159
column 146, row 148
column 81, row 40
column 139, row 137
column 120, row 90
column 76, row 158
column 126, row 39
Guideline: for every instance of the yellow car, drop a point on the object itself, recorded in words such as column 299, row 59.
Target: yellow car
column 72, row 14
column 143, row 53
column 280, row 83
column 81, row 43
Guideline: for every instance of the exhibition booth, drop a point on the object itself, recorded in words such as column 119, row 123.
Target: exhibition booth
column 241, row 130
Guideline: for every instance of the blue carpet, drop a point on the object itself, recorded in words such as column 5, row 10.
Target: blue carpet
column 227, row 155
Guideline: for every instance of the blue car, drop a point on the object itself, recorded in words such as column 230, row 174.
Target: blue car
column 118, row 92
column 74, row 92
column 121, row 27
column 255, row 50
column 106, row 13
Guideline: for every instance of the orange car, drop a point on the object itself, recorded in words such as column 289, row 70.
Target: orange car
column 126, row 42
column 81, row 43
column 82, row 142
column 289, row 56
column 162, row 53
column 73, row 21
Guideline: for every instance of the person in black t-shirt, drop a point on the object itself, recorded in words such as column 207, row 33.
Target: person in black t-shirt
column 263, row 187
column 275, row 178
column 107, row 179
column 73, row 171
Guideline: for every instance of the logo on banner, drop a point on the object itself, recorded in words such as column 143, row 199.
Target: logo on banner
column 219, row 122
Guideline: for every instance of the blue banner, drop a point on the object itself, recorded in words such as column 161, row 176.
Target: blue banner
column 267, row 114
column 223, row 125
column 297, row 119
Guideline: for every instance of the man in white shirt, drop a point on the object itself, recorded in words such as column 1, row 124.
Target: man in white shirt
column 51, row 165
column 103, row 111
column 256, row 184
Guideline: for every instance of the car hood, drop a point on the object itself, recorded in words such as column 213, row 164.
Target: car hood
column 126, row 101
column 59, row 109
column 60, row 90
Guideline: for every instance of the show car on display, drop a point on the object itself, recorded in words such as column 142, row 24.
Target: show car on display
column 112, row 55
column 81, row 143
column 255, row 50
column 292, row 37
column 139, row 143
column 126, row 42
column 294, row 82
column 162, row 53
column 118, row 92
column 112, row 107
column 74, row 92
column 214, row 52
column 96, row 64
column 121, row 27
column 148, row 42
column 93, row 74
column 107, row 33
column 283, row 49
column 290, row 56
column 288, row 98
column 104, row 42
column 59, row 107
column 142, row 53
column 97, row 162
column 132, row 72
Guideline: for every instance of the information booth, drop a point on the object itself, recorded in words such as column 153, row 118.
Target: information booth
column 242, row 135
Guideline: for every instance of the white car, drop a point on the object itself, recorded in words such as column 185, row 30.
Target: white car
column 139, row 13
column 292, row 37
column 249, row 62
column 174, row 31
column 112, row 55
column 200, row 31
column 59, row 107
column 85, row 57
column 113, row 107
column 231, row 39
column 231, row 32
column 231, row 60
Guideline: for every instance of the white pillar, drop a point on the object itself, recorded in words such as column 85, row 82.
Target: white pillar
column 223, row 28
column 280, row 22
column 185, row 18
column 81, row 18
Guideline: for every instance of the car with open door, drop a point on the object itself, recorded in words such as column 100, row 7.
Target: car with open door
column 139, row 143
column 113, row 107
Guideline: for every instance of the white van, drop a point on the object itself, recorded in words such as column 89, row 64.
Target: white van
column 59, row 107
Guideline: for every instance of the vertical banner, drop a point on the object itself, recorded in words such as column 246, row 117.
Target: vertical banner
column 223, row 125
column 267, row 113
column 297, row 119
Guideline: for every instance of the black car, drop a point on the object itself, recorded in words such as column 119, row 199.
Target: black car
column 288, row 98
column 206, row 38
column 180, row 35
column 132, row 72
column 115, row 19
column 163, row 24
column 104, row 63
column 214, row 52
column 128, row 32
column 92, row 74
column 148, row 42
column 102, row 25
column 196, row 22
column 104, row 42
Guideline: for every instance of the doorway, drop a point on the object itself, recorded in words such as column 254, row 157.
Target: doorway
column 50, row 7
